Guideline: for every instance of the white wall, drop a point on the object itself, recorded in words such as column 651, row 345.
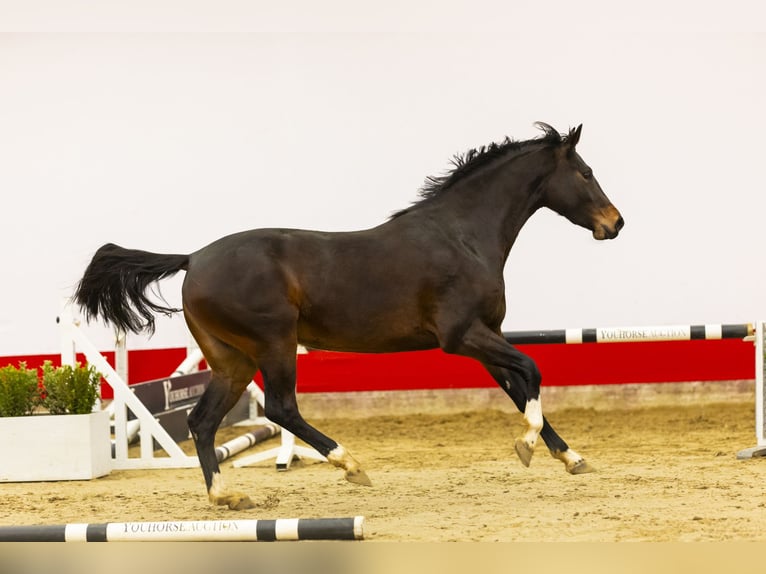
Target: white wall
column 330, row 115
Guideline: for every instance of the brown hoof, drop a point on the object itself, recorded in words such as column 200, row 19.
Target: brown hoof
column 241, row 502
column 234, row 501
column 358, row 477
column 580, row 467
column 524, row 451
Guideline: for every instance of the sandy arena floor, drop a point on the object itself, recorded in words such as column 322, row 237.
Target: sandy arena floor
column 664, row 474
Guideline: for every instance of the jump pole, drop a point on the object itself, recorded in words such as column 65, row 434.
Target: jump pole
column 631, row 334
column 245, row 441
column 281, row 529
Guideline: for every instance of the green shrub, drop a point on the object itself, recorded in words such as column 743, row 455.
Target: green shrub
column 19, row 390
column 69, row 390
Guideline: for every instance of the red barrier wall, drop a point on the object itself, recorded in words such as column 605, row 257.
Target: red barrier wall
column 586, row 364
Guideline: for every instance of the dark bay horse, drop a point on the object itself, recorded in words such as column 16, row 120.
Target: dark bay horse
column 431, row 276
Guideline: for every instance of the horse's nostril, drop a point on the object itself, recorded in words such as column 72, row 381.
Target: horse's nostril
column 620, row 224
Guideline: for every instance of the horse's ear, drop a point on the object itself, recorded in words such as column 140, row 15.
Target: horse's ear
column 574, row 136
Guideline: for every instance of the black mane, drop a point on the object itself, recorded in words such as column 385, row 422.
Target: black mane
column 469, row 162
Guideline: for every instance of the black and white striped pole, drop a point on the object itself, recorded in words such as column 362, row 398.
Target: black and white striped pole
column 630, row 334
column 245, row 441
column 193, row 530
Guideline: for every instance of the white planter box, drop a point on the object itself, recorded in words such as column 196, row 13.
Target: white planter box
column 55, row 447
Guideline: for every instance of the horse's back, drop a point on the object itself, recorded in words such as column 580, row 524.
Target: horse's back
column 352, row 258
column 333, row 286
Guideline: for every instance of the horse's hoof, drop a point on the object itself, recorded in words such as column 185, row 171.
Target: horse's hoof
column 580, row 467
column 524, row 451
column 241, row 502
column 234, row 501
column 358, row 477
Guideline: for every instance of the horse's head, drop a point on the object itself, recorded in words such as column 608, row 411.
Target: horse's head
column 572, row 190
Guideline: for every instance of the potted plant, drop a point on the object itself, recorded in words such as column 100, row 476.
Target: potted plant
column 19, row 391
column 69, row 390
column 48, row 425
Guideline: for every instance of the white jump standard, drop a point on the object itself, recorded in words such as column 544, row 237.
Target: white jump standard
column 759, row 450
column 282, row 529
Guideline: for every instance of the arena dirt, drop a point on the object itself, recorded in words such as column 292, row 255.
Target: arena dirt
column 663, row 474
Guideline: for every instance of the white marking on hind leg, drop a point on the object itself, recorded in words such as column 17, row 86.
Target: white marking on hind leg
column 341, row 458
column 219, row 495
column 217, row 488
column 533, row 414
column 574, row 463
column 569, row 457
column 337, row 455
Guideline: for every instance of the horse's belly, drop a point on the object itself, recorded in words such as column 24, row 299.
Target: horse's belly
column 373, row 337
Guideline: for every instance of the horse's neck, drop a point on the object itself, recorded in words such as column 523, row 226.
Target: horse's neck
column 494, row 205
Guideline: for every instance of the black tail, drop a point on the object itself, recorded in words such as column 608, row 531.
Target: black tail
column 115, row 282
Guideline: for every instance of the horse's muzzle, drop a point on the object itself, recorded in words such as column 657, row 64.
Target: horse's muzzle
column 608, row 224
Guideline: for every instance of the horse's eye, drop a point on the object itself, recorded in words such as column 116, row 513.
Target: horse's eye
column 587, row 174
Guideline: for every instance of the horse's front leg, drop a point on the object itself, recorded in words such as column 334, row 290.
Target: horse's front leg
column 281, row 407
column 491, row 348
column 559, row 449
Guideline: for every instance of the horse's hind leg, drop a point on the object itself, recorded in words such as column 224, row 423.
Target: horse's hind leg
column 231, row 372
column 513, row 387
column 278, row 369
column 220, row 396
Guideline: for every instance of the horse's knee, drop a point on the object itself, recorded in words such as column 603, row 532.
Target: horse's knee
column 530, row 372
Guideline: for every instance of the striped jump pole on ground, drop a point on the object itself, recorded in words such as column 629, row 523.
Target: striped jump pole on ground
column 630, row 334
column 245, row 441
column 193, row 531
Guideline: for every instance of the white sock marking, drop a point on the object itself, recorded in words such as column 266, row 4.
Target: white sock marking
column 570, row 457
column 533, row 414
column 217, row 488
column 337, row 456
